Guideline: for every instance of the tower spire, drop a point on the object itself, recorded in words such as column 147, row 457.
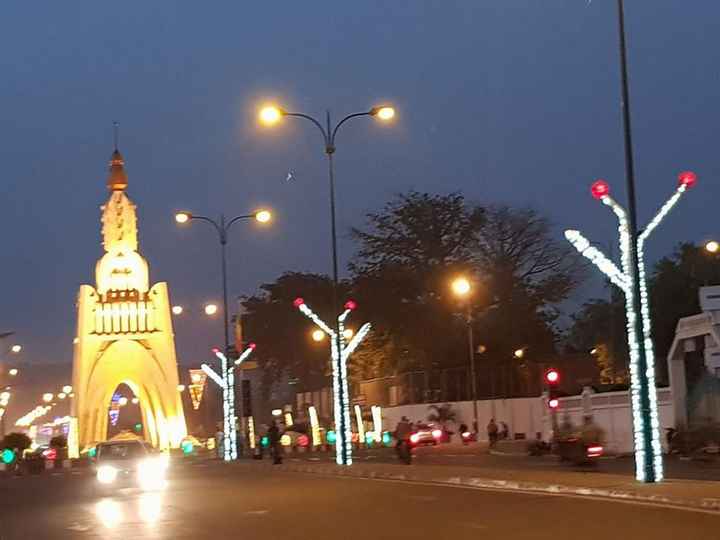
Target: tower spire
column 117, row 179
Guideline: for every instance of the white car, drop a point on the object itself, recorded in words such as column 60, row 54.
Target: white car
column 130, row 464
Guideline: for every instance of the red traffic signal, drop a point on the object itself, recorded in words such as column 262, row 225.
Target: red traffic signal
column 552, row 376
column 553, row 403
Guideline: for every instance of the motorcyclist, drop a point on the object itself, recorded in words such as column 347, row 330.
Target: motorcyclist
column 591, row 433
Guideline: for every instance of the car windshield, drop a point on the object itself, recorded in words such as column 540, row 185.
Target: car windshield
column 121, row 451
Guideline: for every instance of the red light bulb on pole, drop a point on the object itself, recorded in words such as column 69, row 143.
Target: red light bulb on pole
column 600, row 189
column 687, row 179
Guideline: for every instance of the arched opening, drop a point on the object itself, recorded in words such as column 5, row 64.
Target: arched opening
column 125, row 413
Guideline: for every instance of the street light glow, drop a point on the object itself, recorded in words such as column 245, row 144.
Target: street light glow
column 712, row 246
column 180, row 387
column 122, row 401
column 270, row 114
column 211, row 309
column 67, row 389
column 318, row 335
column 183, row 217
column 16, row 348
column 461, row 286
column 12, row 372
column 62, row 395
column 384, row 113
column 47, row 397
column 519, row 353
column 348, row 333
column 263, row 216
column 177, row 310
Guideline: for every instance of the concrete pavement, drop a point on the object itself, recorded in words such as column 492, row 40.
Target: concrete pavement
column 250, row 500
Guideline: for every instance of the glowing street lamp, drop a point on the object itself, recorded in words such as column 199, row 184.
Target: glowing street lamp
column 318, row 335
column 13, row 372
column 348, row 333
column 122, row 401
column 462, row 288
column 47, row 397
column 263, row 216
column 211, row 309
column 62, row 395
column 177, row 310
column 632, row 280
column 67, row 389
column 519, row 353
column 271, row 115
column 16, row 348
column 712, row 246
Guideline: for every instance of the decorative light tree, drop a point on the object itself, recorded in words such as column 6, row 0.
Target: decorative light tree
column 341, row 394
column 646, row 423
column 226, row 382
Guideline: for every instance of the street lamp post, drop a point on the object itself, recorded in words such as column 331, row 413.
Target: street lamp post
column 462, row 288
column 272, row 114
column 222, row 227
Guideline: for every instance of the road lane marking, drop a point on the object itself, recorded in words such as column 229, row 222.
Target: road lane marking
column 256, row 512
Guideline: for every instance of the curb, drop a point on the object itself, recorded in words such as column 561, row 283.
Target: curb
column 706, row 504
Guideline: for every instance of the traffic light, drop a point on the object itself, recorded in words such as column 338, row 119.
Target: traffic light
column 552, row 381
column 246, row 398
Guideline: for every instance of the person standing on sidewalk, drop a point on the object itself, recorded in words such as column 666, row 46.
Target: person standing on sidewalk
column 273, row 434
column 492, row 431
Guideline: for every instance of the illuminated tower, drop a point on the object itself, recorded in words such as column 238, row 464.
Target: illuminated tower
column 124, row 332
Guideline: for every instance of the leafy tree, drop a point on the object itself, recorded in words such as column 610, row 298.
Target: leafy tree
column 16, row 440
column 441, row 414
column 286, row 351
column 674, row 288
column 600, row 325
column 407, row 255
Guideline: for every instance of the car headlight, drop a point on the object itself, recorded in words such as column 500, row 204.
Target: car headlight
column 151, row 473
column 106, row 474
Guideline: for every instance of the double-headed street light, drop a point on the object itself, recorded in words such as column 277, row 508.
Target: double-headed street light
column 270, row 115
column 222, row 227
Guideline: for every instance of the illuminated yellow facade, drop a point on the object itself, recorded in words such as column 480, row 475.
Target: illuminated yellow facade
column 125, row 333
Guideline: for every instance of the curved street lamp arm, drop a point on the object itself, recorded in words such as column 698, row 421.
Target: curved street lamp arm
column 238, row 218
column 212, row 222
column 341, row 122
column 318, row 124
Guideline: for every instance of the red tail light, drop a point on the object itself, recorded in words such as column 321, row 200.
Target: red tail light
column 414, row 438
column 594, row 451
column 436, row 433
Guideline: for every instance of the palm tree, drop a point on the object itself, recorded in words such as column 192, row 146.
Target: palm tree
column 441, row 414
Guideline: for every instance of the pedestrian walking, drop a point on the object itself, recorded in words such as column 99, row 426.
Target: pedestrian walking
column 492, row 431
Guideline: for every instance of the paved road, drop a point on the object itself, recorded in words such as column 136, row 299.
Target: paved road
column 250, row 500
column 478, row 457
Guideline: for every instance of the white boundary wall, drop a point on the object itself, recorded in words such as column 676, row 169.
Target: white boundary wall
column 610, row 410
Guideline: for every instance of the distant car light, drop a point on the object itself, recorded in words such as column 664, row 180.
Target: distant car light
column 107, row 474
column 466, row 435
column 414, row 438
column 594, row 451
column 436, row 433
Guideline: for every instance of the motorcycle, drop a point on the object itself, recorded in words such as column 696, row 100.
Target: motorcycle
column 577, row 451
column 404, row 452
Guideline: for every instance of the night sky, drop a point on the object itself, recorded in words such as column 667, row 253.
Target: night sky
column 508, row 101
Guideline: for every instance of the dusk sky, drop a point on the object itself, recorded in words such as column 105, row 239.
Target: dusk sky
column 512, row 102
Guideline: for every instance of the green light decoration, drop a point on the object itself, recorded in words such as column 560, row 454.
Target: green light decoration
column 7, row 456
column 265, row 441
column 369, row 438
column 138, row 427
column 331, row 437
column 387, row 438
column 92, row 452
column 187, row 447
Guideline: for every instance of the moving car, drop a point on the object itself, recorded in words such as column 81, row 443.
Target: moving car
column 130, row 464
column 426, row 434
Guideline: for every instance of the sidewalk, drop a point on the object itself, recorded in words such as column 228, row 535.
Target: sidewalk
column 684, row 494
